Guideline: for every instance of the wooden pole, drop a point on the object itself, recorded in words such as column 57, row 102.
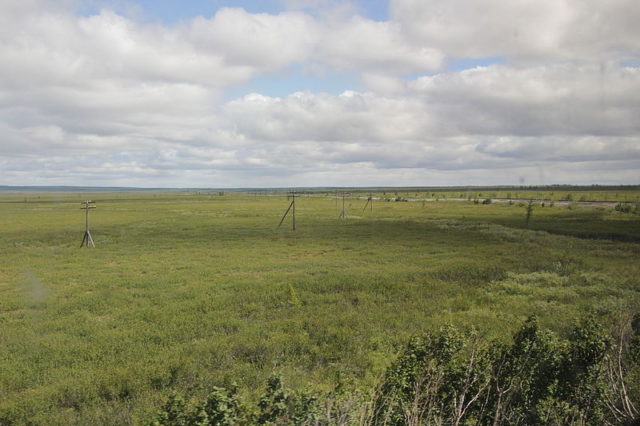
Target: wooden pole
column 292, row 206
column 86, row 239
column 293, row 194
column 368, row 203
column 285, row 214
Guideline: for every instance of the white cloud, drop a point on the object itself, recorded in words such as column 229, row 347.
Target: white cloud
column 106, row 99
column 545, row 30
column 266, row 42
column 368, row 45
column 346, row 118
column 536, row 101
column 485, row 118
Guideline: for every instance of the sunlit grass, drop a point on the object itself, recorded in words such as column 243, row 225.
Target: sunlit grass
column 185, row 291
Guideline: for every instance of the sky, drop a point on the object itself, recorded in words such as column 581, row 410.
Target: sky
column 290, row 93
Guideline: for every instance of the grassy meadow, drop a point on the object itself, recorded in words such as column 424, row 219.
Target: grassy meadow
column 557, row 193
column 185, row 291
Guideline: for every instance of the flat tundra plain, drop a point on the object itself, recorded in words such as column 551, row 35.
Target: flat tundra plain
column 189, row 290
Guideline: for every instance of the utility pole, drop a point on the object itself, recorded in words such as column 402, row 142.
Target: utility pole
column 86, row 239
column 343, row 213
column 369, row 203
column 292, row 207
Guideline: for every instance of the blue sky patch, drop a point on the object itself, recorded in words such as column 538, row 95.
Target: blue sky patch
column 296, row 80
column 170, row 11
column 633, row 64
column 459, row 64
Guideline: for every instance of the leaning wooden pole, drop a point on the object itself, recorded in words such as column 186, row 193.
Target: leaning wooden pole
column 292, row 208
column 368, row 203
column 285, row 214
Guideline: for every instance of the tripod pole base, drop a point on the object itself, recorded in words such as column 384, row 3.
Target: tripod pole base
column 87, row 240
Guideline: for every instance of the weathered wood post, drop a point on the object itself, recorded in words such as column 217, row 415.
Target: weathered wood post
column 292, row 207
column 293, row 195
column 368, row 203
column 343, row 213
column 86, row 239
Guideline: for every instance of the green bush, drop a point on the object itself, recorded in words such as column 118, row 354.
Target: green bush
column 452, row 376
column 529, row 212
column 627, row 208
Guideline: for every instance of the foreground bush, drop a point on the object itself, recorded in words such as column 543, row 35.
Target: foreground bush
column 452, row 377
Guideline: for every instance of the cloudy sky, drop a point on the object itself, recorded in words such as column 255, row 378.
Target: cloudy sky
column 240, row 93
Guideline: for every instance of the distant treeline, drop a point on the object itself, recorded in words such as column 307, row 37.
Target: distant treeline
column 453, row 377
column 205, row 191
column 477, row 188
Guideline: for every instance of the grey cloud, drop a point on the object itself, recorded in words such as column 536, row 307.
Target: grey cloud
column 563, row 149
column 382, row 46
column 347, row 117
column 544, row 100
column 108, row 100
column 547, row 30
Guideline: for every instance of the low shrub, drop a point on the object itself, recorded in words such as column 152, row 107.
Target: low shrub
column 452, row 376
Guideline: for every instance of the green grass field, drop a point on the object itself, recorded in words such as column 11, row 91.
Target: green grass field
column 186, row 291
column 623, row 194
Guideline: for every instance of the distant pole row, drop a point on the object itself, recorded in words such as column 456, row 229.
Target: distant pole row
column 343, row 213
column 87, row 240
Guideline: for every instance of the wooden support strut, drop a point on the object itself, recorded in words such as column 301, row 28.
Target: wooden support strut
column 291, row 206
